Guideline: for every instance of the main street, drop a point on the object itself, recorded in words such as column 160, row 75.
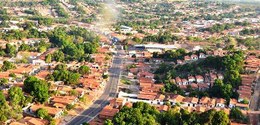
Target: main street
column 109, row 91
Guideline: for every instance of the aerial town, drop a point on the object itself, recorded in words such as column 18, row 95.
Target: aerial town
column 129, row 62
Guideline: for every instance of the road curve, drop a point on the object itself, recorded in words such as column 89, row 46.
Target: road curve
column 109, row 91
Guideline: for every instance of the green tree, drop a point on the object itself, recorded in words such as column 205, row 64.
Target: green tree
column 220, row 118
column 42, row 113
column 237, row 115
column 10, row 50
column 84, row 70
column 61, row 67
column 221, row 90
column 108, row 122
column 58, row 56
column 3, row 81
column 39, row 89
column 7, row 65
column 48, row 58
column 24, row 47
column 16, row 95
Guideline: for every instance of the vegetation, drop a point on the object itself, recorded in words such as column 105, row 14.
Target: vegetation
column 232, row 65
column 62, row 74
column 236, row 115
column 7, row 65
column 144, row 114
column 12, row 110
column 75, row 44
column 84, row 70
column 37, row 88
column 217, row 28
column 164, row 37
column 61, row 12
column 42, row 113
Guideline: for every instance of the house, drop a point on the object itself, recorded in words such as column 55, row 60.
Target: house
column 147, row 96
column 96, row 122
column 162, row 108
column 200, row 109
column 212, row 103
column 220, row 76
column 203, row 86
column 207, row 102
column 179, row 61
column 81, row 92
column 213, row 77
column 63, row 101
column 178, row 80
column 176, row 99
column 145, row 75
column 202, row 56
column 54, row 112
column 160, row 99
column 184, row 81
column 219, row 53
column 108, row 112
column 38, row 62
column 220, row 103
column 190, row 101
column 194, row 57
column 242, row 106
column 189, row 109
column 125, row 29
column 232, row 103
column 191, row 79
column 117, row 102
column 194, row 86
column 30, row 121
column 199, row 78
column 244, row 95
column 187, row 58
column 42, row 74
column 204, row 101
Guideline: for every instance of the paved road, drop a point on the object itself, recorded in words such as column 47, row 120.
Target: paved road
column 254, row 102
column 109, row 91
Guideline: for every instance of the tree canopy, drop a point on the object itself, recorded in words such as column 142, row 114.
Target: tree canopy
column 39, row 89
column 145, row 114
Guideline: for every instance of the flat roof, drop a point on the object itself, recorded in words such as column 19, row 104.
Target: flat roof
column 156, row 46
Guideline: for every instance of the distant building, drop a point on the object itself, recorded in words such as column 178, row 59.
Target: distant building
column 155, row 47
column 125, row 29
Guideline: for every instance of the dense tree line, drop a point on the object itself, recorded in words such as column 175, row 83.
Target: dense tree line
column 61, row 73
column 144, row 114
column 74, row 44
column 172, row 55
column 28, row 32
column 231, row 65
column 250, row 31
column 251, row 43
column 11, row 50
column 162, row 37
column 217, row 28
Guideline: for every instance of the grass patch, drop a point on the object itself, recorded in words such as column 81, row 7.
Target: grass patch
column 125, row 81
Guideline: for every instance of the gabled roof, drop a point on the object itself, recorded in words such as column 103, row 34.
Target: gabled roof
column 204, row 100
column 51, row 110
column 191, row 100
column 178, row 98
column 108, row 111
column 220, row 100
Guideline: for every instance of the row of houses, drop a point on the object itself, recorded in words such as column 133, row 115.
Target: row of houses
column 65, row 96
